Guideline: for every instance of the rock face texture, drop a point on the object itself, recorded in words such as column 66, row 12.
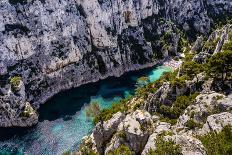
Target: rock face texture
column 204, row 107
column 140, row 131
column 56, row 45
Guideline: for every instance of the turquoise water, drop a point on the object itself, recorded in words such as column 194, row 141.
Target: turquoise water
column 63, row 123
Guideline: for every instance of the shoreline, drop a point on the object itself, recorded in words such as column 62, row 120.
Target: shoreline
column 173, row 64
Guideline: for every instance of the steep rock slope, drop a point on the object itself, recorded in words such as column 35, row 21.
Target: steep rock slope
column 56, row 45
column 172, row 112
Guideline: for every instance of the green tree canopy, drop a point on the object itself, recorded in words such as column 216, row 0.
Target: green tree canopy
column 192, row 68
column 220, row 65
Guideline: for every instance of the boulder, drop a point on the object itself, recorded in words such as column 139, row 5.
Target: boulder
column 103, row 131
column 189, row 145
column 133, row 131
column 216, row 122
column 151, row 143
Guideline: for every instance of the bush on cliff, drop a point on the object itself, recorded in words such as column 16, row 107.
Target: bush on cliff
column 106, row 114
column 165, row 148
column 219, row 66
column 15, row 82
column 192, row 68
column 218, row 143
column 121, row 150
column 178, row 107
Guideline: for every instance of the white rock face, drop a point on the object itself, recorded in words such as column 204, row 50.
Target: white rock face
column 205, row 105
column 57, row 45
column 137, row 127
column 189, row 145
column 219, row 37
column 217, row 122
column 103, row 132
column 12, row 108
column 151, row 143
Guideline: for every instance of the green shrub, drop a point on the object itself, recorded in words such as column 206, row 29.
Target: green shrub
column 227, row 46
column 178, row 107
column 218, row 143
column 165, row 148
column 192, row 68
column 106, row 114
column 191, row 124
column 15, row 81
column 121, row 150
column 154, row 86
column 178, row 82
column 219, row 66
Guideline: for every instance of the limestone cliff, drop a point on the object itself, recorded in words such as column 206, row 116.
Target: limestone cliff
column 175, row 109
column 55, row 45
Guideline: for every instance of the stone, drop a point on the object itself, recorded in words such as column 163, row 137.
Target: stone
column 102, row 132
column 160, row 128
column 189, row 145
column 216, row 122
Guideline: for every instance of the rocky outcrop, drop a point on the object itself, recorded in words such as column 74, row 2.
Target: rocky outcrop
column 140, row 131
column 56, row 45
column 168, row 93
column 103, row 132
column 213, row 45
column 160, row 128
column 133, row 131
column 14, row 109
column 217, row 122
column 189, row 145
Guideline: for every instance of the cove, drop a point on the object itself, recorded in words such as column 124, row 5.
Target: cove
column 62, row 122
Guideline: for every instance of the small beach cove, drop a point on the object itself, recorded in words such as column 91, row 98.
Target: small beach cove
column 63, row 123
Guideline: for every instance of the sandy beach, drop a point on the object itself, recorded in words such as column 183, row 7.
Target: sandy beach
column 173, row 63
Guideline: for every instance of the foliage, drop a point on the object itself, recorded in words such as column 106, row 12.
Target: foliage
column 218, row 143
column 228, row 46
column 188, row 56
column 15, row 81
column 86, row 151
column 121, row 150
column 106, row 114
column 178, row 107
column 178, row 82
column 165, row 148
column 142, row 81
column 92, row 110
column 220, row 65
column 211, row 45
column 154, row 86
column 191, row 124
column 192, row 68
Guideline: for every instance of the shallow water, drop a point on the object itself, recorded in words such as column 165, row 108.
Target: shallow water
column 63, row 123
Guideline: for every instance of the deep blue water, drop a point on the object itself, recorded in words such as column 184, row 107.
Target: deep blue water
column 62, row 121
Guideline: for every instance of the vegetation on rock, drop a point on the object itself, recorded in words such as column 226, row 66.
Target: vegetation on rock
column 219, row 66
column 92, row 110
column 121, row 150
column 218, row 143
column 15, row 82
column 165, row 148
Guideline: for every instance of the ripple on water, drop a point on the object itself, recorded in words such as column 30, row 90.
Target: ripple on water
column 63, row 123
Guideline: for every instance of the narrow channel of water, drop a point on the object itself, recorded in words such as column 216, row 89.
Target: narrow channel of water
column 63, row 123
